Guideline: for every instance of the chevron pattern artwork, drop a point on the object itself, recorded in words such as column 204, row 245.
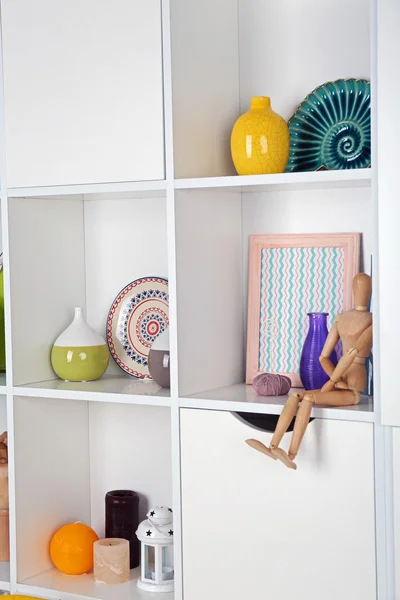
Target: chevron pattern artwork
column 295, row 281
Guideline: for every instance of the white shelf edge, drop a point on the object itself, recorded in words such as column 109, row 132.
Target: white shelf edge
column 113, row 398
column 322, row 179
column 5, row 586
column 27, row 590
column 349, row 178
column 337, row 414
column 81, row 587
column 43, row 592
column 90, row 188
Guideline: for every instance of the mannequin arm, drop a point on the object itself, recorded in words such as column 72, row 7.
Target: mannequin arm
column 329, row 346
column 344, row 363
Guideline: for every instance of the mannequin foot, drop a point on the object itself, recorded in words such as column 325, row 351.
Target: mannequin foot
column 260, row 447
column 283, row 457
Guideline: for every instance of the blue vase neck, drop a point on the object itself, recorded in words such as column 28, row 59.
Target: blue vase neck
column 318, row 316
column 318, row 320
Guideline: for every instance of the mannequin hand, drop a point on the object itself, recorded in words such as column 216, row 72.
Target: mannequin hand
column 4, row 438
column 341, row 385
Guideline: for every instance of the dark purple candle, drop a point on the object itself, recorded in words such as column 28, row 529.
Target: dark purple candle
column 122, row 520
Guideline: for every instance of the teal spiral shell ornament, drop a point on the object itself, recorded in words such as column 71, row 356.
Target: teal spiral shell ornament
column 331, row 129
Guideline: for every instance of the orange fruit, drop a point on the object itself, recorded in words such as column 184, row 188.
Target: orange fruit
column 71, row 548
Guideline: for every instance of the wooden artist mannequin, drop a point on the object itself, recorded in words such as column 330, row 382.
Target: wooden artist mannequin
column 346, row 381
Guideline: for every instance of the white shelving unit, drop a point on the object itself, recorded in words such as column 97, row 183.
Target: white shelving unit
column 115, row 164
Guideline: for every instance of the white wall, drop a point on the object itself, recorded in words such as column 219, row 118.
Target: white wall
column 130, row 448
column 47, row 278
column 52, row 475
column 284, row 47
column 209, row 290
column 125, row 239
column 205, row 79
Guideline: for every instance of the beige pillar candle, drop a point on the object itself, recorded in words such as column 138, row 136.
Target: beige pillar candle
column 111, row 560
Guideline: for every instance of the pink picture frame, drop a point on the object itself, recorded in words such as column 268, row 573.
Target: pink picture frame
column 289, row 276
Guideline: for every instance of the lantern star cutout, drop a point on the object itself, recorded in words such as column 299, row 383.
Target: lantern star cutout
column 148, row 533
column 170, row 510
column 171, row 532
column 152, row 513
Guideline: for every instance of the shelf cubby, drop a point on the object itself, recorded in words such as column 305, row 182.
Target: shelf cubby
column 84, row 249
column 65, row 464
column 213, row 230
column 284, row 52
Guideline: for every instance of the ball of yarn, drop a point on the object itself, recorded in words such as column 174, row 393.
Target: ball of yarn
column 269, row 384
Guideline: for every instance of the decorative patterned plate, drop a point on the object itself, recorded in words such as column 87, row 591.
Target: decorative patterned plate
column 137, row 317
column 331, row 129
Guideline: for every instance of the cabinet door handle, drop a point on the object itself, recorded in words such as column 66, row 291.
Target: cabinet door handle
column 260, row 447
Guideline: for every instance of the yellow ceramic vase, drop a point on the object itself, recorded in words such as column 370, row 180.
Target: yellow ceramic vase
column 260, row 140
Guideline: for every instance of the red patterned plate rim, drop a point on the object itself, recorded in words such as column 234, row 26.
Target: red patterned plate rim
column 115, row 305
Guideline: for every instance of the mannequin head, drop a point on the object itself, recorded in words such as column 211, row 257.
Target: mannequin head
column 362, row 288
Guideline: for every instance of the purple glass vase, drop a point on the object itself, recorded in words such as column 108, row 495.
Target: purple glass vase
column 312, row 374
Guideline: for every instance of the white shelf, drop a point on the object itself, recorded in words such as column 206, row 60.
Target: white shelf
column 243, row 398
column 134, row 188
column 5, row 576
column 281, row 181
column 118, row 389
column 53, row 584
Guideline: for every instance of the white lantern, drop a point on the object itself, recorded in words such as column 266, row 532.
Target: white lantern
column 156, row 536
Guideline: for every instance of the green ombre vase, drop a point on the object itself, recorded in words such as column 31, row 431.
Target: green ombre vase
column 79, row 353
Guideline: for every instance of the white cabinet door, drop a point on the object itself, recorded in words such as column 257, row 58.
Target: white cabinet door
column 254, row 529
column 83, row 91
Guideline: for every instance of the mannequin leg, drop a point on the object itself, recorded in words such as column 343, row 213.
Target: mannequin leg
column 302, row 420
column 334, row 398
column 337, row 398
column 287, row 414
